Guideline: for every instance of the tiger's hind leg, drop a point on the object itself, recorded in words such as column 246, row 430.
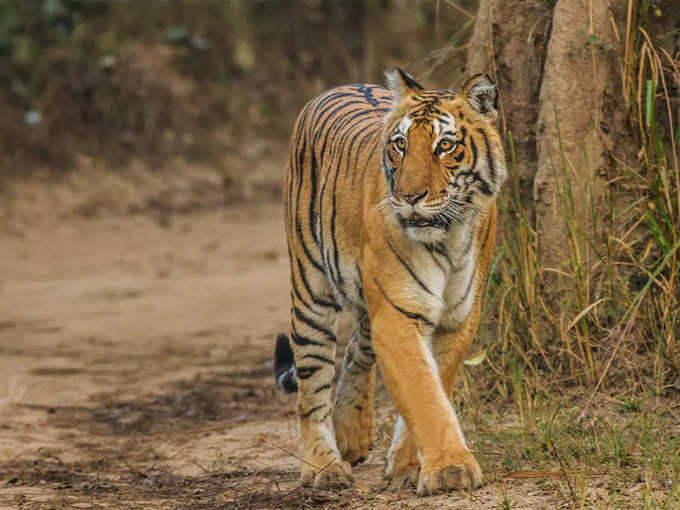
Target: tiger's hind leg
column 353, row 414
column 314, row 345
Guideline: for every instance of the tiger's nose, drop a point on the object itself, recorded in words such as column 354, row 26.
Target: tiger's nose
column 412, row 198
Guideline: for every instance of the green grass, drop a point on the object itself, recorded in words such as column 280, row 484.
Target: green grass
column 610, row 316
column 613, row 458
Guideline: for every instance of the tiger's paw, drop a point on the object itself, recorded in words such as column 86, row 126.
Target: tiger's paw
column 335, row 476
column 354, row 432
column 460, row 476
column 403, row 481
column 402, row 466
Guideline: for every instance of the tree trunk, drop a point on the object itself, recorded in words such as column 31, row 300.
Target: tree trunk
column 509, row 42
column 555, row 66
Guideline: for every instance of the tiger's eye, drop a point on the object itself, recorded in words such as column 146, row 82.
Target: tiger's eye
column 400, row 143
column 446, row 145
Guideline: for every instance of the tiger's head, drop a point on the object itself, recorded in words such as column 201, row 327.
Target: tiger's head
column 443, row 157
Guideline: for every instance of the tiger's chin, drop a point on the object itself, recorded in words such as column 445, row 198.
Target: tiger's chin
column 426, row 235
column 426, row 230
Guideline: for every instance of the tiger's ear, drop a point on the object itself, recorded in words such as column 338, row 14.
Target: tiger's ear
column 482, row 95
column 401, row 83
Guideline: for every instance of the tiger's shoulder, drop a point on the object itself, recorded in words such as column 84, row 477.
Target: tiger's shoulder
column 366, row 100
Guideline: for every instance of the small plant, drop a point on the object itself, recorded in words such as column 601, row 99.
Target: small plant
column 630, row 406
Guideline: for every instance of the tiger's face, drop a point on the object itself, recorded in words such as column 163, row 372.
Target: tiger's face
column 443, row 158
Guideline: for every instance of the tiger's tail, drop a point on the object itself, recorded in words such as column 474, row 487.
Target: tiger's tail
column 284, row 365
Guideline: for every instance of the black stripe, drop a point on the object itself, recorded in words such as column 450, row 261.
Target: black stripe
column 342, row 149
column 492, row 168
column 467, row 290
column 325, row 416
column 332, row 95
column 408, row 267
column 316, row 300
column 314, row 325
column 468, row 246
column 327, row 103
column 320, row 358
column 299, row 297
column 442, row 251
column 338, row 146
column 473, row 146
column 312, row 200
column 306, row 372
column 410, row 315
column 367, row 136
column 336, row 116
column 302, row 341
column 322, row 387
column 360, row 285
column 298, row 230
column 369, row 156
column 483, row 185
column 313, row 409
column 357, row 132
column 337, row 279
column 367, row 350
column 365, row 331
column 388, row 171
column 430, row 250
column 339, row 118
column 298, row 225
column 437, row 262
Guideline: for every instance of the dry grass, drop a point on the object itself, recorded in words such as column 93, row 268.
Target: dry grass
column 617, row 314
column 607, row 343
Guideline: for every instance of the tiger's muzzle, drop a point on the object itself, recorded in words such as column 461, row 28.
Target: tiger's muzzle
column 417, row 221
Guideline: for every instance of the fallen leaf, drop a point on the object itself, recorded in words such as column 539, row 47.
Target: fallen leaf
column 476, row 359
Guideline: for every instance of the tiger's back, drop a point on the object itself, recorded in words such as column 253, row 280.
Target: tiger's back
column 335, row 143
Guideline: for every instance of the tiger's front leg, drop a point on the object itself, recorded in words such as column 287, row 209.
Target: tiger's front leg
column 401, row 335
column 449, row 349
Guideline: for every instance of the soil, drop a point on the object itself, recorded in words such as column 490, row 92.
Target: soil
column 136, row 369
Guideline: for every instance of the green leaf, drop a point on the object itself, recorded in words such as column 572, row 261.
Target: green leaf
column 650, row 97
column 476, row 359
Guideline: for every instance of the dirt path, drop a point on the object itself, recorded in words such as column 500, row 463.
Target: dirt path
column 135, row 371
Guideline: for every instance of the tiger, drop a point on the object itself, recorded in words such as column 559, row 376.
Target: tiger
column 390, row 213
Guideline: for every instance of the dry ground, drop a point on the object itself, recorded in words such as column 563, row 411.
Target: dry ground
column 135, row 372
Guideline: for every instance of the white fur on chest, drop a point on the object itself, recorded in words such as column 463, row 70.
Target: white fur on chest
column 459, row 295
column 461, row 286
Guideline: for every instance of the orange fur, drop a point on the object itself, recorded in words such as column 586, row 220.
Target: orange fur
column 390, row 212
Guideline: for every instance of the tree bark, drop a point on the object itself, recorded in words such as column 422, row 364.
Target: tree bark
column 509, row 43
column 555, row 66
column 577, row 89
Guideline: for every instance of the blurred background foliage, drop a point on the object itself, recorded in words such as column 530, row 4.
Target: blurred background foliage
column 220, row 82
column 162, row 79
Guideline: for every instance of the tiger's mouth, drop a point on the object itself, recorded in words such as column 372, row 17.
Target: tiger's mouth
column 417, row 221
